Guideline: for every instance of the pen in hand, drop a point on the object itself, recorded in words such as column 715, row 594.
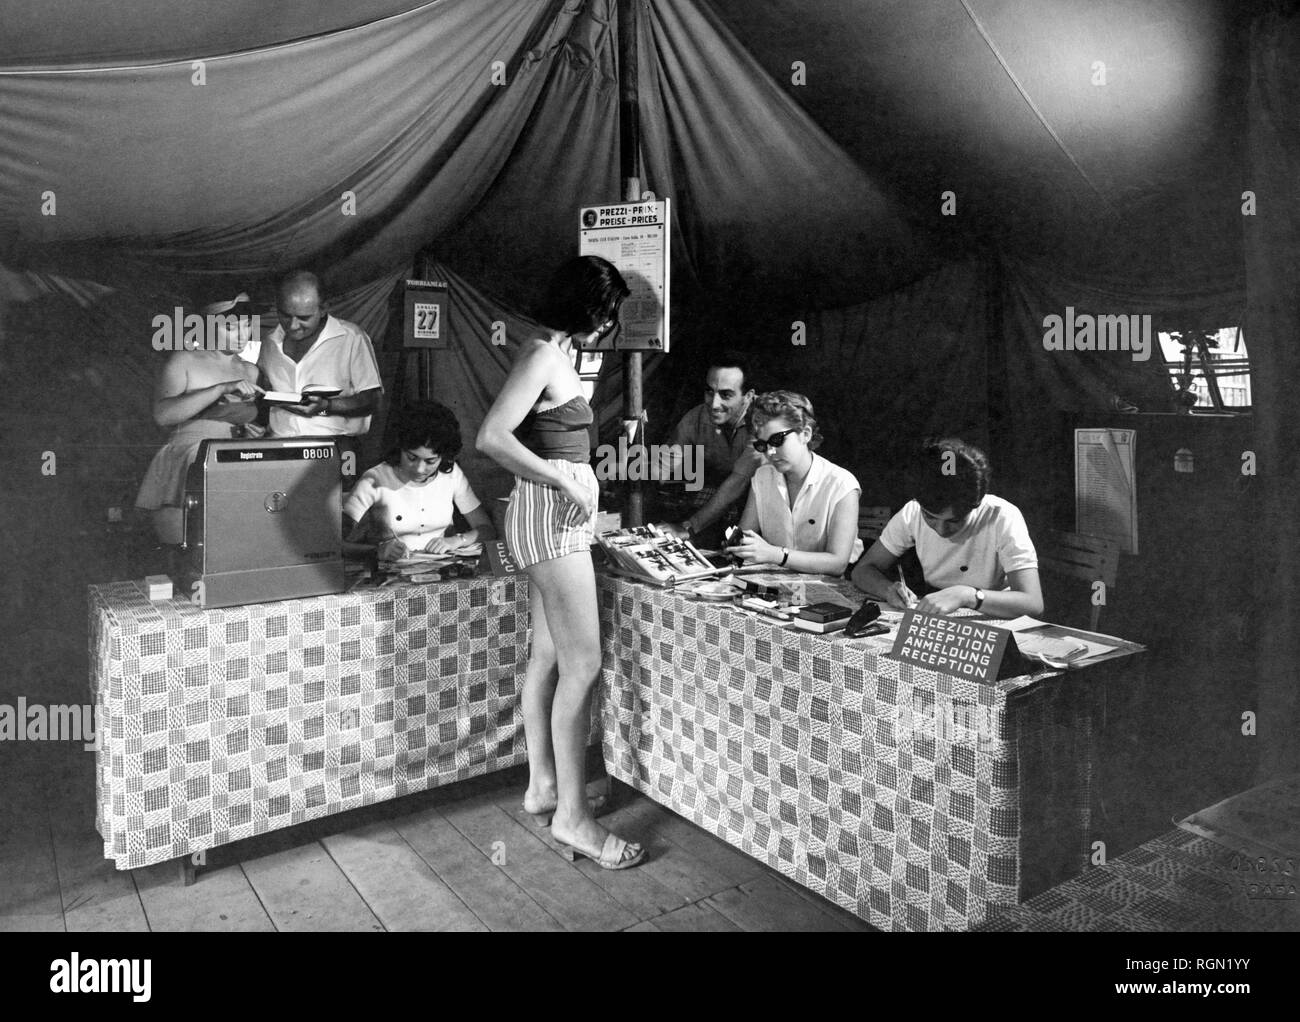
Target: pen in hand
column 908, row 597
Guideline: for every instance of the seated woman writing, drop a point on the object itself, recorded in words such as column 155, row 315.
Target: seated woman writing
column 974, row 548
column 802, row 512
column 405, row 504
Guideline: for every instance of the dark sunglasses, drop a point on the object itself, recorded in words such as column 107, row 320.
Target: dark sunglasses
column 774, row 441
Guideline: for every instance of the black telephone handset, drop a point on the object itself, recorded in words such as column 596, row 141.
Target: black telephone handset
column 863, row 622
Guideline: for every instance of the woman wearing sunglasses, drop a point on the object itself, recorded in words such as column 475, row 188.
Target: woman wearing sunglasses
column 974, row 548
column 802, row 512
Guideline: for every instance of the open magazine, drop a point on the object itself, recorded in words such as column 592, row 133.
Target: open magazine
column 647, row 553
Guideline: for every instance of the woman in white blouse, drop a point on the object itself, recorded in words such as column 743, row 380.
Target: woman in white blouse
column 974, row 547
column 802, row 512
column 404, row 505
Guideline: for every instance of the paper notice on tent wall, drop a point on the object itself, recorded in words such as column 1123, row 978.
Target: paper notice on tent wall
column 426, row 314
column 634, row 237
column 1105, row 486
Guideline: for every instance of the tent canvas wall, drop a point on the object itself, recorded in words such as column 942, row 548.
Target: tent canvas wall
column 919, row 184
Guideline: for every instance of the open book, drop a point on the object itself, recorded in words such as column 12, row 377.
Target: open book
column 288, row 397
column 419, row 561
column 646, row 553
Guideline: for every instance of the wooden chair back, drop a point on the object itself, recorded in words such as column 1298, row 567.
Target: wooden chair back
column 1087, row 559
column 871, row 522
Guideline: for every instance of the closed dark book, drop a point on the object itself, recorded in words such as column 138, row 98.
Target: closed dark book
column 820, row 627
column 821, row 613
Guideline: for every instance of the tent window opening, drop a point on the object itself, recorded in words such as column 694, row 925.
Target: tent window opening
column 1209, row 369
column 589, row 370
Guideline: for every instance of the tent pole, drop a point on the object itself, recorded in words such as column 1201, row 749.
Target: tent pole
column 629, row 150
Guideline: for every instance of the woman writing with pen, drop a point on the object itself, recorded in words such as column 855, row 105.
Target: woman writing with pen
column 802, row 512
column 405, row 504
column 974, row 548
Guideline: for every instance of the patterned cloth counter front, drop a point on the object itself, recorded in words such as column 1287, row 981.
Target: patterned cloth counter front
column 915, row 800
column 221, row 724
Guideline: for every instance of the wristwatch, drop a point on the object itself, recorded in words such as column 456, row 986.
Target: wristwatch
column 979, row 599
column 785, row 555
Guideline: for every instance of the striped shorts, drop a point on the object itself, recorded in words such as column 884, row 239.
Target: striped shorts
column 542, row 524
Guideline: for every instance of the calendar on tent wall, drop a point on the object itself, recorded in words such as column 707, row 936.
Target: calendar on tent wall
column 634, row 237
column 426, row 314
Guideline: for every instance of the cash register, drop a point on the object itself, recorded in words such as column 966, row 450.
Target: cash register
column 263, row 521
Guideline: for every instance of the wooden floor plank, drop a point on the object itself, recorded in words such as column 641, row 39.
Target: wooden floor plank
column 29, row 891
column 222, row 900
column 766, row 905
column 698, row 918
column 303, row 890
column 493, row 897
column 646, row 927
column 845, row 918
column 638, row 890
column 97, row 897
column 669, row 864
column 731, row 863
column 57, row 877
column 398, row 885
column 560, row 888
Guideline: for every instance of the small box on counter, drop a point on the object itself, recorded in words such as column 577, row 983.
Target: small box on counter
column 159, row 587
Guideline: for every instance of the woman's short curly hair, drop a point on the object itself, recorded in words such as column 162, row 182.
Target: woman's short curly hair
column 584, row 293
column 428, row 424
column 796, row 409
column 949, row 472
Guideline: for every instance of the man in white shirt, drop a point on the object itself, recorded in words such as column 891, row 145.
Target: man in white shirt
column 310, row 348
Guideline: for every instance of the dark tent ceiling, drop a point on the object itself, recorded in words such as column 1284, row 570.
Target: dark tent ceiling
column 1106, row 133
column 1001, row 102
column 73, row 33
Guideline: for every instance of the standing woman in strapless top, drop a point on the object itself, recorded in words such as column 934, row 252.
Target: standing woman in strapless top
column 204, row 392
column 549, row 527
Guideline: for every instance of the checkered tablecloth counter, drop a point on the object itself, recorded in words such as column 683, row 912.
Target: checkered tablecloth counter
column 913, row 799
column 221, row 724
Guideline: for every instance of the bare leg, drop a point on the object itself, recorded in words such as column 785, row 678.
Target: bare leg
column 539, row 693
column 568, row 593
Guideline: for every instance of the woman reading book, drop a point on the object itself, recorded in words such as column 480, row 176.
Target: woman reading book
column 405, row 504
column 974, row 548
column 204, row 392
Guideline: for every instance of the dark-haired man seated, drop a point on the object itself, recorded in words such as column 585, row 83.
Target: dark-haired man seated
column 718, row 426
